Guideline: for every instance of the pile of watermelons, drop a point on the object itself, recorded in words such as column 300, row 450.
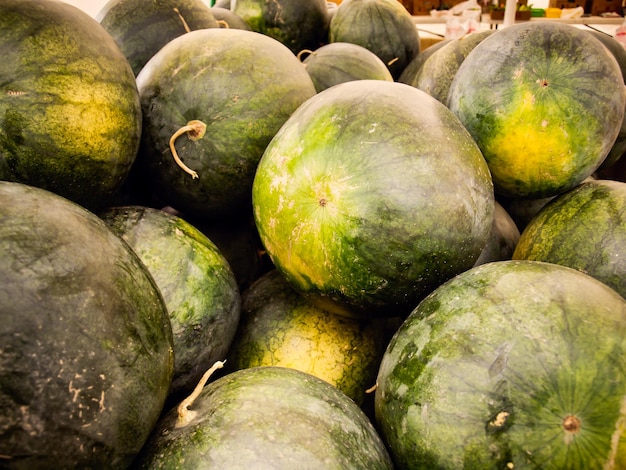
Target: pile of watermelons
column 280, row 235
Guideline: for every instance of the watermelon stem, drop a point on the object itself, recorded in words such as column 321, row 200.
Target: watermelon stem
column 304, row 51
column 195, row 130
column 185, row 415
column 185, row 25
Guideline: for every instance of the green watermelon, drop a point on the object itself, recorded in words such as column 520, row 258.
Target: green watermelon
column 370, row 196
column 70, row 119
column 438, row 70
column 544, row 101
column 510, row 365
column 385, row 27
column 196, row 281
column 267, row 417
column 142, row 28
column 585, row 229
column 279, row 327
column 227, row 18
column 341, row 62
column 87, row 349
column 298, row 24
column 503, row 239
column 412, row 69
column 238, row 87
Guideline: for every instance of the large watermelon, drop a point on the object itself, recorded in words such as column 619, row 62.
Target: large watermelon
column 544, row 101
column 87, row 354
column 585, row 229
column 237, row 88
column 70, row 119
column 267, row 418
column 385, row 27
column 141, row 28
column 370, row 196
column 279, row 327
column 510, row 365
column 196, row 281
column 298, row 24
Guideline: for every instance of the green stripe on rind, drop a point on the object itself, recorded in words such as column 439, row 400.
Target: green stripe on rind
column 372, row 194
column 584, row 229
column 483, row 373
column 540, row 140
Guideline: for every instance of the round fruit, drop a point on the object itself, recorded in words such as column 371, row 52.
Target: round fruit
column 370, row 196
column 512, row 364
column 141, row 28
column 229, row 19
column 438, row 71
column 295, row 23
column 412, row 69
column 279, row 327
column 341, row 62
column 87, row 353
column 385, row 27
column 216, row 97
column 585, row 229
column 70, row 119
column 267, row 417
column 196, row 281
column 503, row 239
column 544, row 101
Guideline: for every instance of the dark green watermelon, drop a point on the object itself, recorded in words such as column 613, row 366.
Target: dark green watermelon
column 70, row 119
column 197, row 284
column 413, row 67
column 503, row 239
column 240, row 87
column 385, row 27
column 267, row 417
column 87, row 354
column 341, row 62
column 512, row 364
column 298, row 24
column 140, row 28
column 585, row 229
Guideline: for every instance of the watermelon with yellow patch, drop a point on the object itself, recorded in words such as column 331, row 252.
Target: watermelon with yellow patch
column 280, row 327
column 544, row 102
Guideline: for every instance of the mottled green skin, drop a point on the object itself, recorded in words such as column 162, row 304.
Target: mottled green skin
column 584, row 229
column 70, row 119
column 485, row 371
column 341, row 62
column 243, row 85
column 87, row 353
column 545, row 103
column 370, row 196
column 268, row 417
column 297, row 24
column 385, row 27
column 438, row 71
column 140, row 28
column 279, row 327
column 197, row 284
column 412, row 69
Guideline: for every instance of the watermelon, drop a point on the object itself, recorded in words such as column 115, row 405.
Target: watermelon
column 237, row 88
column 267, row 417
column 412, row 69
column 503, row 239
column 142, row 28
column 438, row 70
column 227, row 18
column 196, row 281
column 279, row 327
column 512, row 364
column 384, row 27
column 341, row 62
column 297, row 24
column 585, row 229
column 87, row 348
column 70, row 119
column 544, row 101
column 370, row 196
